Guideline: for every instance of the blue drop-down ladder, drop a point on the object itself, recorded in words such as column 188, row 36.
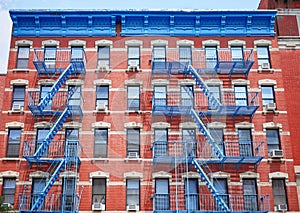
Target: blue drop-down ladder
column 59, row 165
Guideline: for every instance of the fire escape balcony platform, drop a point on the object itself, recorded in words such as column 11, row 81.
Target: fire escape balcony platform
column 56, row 60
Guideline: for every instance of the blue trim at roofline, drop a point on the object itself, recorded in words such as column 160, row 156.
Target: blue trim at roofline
column 88, row 23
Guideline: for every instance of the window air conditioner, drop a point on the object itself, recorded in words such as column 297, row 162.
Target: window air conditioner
column 98, row 206
column 16, row 108
column 132, row 155
column 102, row 66
column 132, row 207
column 280, row 207
column 133, row 66
column 101, row 107
column 276, row 153
column 265, row 65
column 271, row 106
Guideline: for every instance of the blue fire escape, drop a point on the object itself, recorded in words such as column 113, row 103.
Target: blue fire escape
column 199, row 106
column 55, row 155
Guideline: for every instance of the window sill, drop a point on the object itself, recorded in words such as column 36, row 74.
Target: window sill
column 95, row 160
column 271, row 160
column 137, row 69
column 130, row 159
column 21, row 112
column 11, row 159
column 102, row 112
column 265, row 112
column 21, row 70
column 98, row 70
column 260, row 70
column 127, row 112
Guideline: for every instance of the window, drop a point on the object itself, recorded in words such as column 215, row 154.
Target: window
column 215, row 91
column 74, row 95
column 99, row 191
column 18, row 96
column 162, row 196
column 240, row 93
column 159, row 54
column 189, row 142
column 279, row 192
column 50, row 56
column 221, row 186
column 218, row 136
column 273, row 140
column 191, row 194
column 133, row 142
column 134, row 56
column 69, row 191
column 23, row 57
column 160, row 96
column 187, row 95
column 250, row 195
column 263, row 55
column 103, row 56
column 72, row 137
column 76, row 53
column 245, row 142
column 8, row 190
column 267, row 95
column 211, row 57
column 38, row 185
column 102, row 95
column 237, row 53
column 13, row 145
column 40, row 137
column 101, row 139
column 133, row 98
column 185, row 54
column 133, row 192
column 161, row 142
column 44, row 92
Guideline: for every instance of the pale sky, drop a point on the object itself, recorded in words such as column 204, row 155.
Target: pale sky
column 5, row 5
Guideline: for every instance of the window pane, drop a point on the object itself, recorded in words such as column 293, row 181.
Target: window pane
column 279, row 191
column 133, row 140
column 160, row 95
column 162, row 186
column 262, row 52
column 132, row 191
column 50, row 53
column 185, row 54
column 159, row 53
column 23, row 56
column 267, row 92
column 13, row 145
column 272, row 139
column 8, row 190
column 133, row 94
column 76, row 53
column 103, row 52
column 240, row 93
column 133, row 52
column 237, row 53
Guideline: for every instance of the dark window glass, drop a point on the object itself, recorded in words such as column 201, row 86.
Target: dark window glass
column 273, row 140
column 75, row 95
column 250, row 195
column 23, row 57
column 102, row 96
column 263, row 55
column 99, row 191
column 185, row 54
column 101, row 139
column 8, row 190
column 162, row 196
column 18, row 96
column 133, row 97
column 13, row 145
column 133, row 192
column 245, row 142
column 133, row 141
column 189, row 142
column 222, row 188
column 161, row 142
column 267, row 93
column 279, row 192
column 103, row 57
column 191, row 194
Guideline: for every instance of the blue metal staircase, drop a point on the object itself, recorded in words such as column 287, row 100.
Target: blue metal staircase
column 221, row 203
column 59, row 165
column 65, row 156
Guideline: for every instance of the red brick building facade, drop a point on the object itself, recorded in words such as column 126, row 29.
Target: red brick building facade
column 173, row 111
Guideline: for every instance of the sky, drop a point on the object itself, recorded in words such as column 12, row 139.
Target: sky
column 6, row 5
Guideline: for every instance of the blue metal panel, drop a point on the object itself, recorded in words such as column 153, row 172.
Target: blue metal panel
column 59, row 23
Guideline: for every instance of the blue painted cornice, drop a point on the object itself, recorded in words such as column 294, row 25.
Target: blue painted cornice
column 87, row 23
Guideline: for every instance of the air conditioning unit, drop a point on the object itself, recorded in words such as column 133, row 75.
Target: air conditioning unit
column 132, row 207
column 133, row 155
column 102, row 66
column 280, row 207
column 16, row 108
column 271, row 106
column 133, row 66
column 265, row 66
column 276, row 153
column 98, row 207
column 101, row 107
